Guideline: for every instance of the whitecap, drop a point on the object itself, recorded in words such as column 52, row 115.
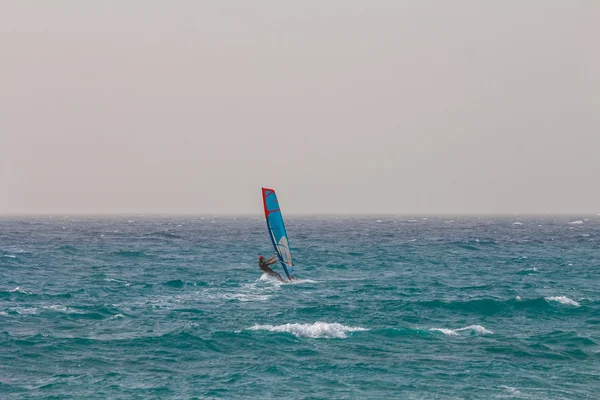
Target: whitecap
column 578, row 222
column 445, row 331
column 454, row 332
column 25, row 310
column 57, row 308
column 512, row 390
column 563, row 300
column 517, row 223
column 19, row 290
column 316, row 330
column 4, row 313
column 117, row 316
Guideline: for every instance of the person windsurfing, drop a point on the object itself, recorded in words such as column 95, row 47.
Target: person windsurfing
column 264, row 265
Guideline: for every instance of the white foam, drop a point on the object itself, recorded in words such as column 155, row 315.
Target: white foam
column 454, row 332
column 579, row 222
column 9, row 255
column 4, row 313
column 300, row 281
column 316, row 330
column 511, row 390
column 563, row 300
column 25, row 310
column 117, row 316
column 270, row 279
column 57, row 308
column 19, row 290
column 445, row 331
column 245, row 297
column 517, row 223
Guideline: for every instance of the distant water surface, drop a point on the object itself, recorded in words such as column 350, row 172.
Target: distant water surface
column 384, row 307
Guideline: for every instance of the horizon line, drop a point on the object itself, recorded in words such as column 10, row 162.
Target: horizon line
column 292, row 214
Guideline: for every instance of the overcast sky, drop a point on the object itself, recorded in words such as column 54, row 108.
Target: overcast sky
column 342, row 106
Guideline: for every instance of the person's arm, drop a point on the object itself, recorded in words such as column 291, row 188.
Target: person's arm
column 273, row 260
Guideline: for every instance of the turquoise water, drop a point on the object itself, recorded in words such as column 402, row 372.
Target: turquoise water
column 384, row 307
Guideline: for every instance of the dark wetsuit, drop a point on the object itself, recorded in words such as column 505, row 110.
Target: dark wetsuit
column 264, row 265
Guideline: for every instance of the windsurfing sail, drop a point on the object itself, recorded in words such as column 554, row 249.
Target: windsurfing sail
column 277, row 231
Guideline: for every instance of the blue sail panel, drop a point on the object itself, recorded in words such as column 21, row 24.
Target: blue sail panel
column 277, row 231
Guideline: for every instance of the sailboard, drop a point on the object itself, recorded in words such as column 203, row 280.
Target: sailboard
column 277, row 231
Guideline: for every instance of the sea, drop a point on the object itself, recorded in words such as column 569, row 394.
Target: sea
column 383, row 307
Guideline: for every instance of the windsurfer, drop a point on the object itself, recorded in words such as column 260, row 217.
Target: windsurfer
column 264, row 265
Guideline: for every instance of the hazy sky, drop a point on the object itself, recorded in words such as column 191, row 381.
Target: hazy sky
column 342, row 106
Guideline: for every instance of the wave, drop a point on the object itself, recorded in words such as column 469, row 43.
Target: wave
column 176, row 283
column 528, row 271
column 19, row 290
column 471, row 328
column 241, row 296
column 563, row 300
column 162, row 235
column 131, row 253
column 475, row 244
column 317, row 330
column 269, row 279
column 498, row 306
column 578, row 222
column 300, row 281
column 511, row 390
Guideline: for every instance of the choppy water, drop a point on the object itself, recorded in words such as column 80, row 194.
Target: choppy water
column 385, row 307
